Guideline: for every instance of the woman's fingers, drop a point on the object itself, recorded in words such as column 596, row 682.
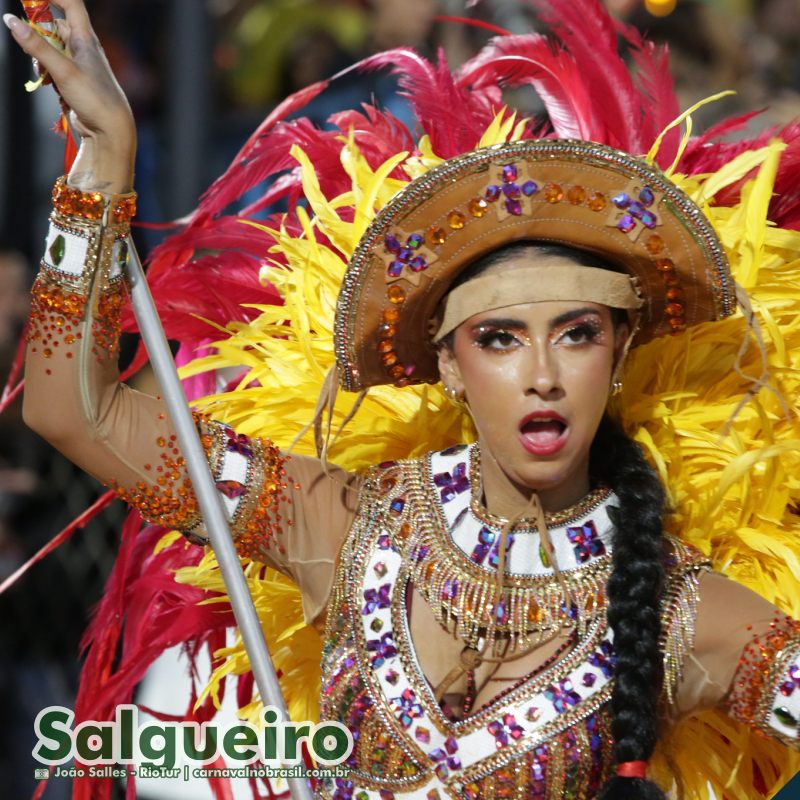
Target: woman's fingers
column 37, row 47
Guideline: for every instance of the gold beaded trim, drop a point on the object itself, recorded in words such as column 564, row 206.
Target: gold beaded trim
column 96, row 206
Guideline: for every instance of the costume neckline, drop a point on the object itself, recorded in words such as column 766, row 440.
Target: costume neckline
column 553, row 519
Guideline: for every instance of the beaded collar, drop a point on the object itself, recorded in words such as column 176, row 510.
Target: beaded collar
column 450, row 545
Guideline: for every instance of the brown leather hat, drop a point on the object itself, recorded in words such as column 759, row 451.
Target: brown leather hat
column 570, row 192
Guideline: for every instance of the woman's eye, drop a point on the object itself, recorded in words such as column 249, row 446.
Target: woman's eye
column 579, row 334
column 497, row 340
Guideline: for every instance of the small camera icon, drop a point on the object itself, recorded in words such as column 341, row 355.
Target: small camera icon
column 41, row 773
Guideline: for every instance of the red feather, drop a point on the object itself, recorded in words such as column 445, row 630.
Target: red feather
column 553, row 73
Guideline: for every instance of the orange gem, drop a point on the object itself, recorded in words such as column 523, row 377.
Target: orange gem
column 597, row 201
column 396, row 294
column 674, row 310
column 397, row 371
column 665, row 265
column 677, row 324
column 391, row 314
column 389, row 358
column 675, row 294
column 385, row 346
column 553, row 193
column 478, row 207
column 576, row 195
column 455, row 219
column 387, row 331
column 654, row 244
column 436, row 235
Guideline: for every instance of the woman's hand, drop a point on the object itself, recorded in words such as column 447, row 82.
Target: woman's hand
column 100, row 113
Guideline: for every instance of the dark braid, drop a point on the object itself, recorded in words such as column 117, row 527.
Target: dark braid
column 634, row 591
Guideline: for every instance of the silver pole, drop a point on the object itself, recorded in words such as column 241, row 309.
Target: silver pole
column 208, row 497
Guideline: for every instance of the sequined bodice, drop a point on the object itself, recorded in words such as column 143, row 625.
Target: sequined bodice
column 547, row 737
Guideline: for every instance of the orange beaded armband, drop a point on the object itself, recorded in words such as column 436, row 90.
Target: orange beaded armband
column 96, row 206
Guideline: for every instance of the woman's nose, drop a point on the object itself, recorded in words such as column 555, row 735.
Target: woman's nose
column 542, row 375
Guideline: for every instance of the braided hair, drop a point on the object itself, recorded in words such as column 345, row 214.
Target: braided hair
column 634, row 590
column 636, row 583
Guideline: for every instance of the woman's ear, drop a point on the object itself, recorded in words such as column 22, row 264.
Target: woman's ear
column 623, row 334
column 449, row 371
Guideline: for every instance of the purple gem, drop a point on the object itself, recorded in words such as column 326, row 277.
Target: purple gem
column 420, row 553
column 501, row 613
column 410, row 370
column 452, row 485
column 637, row 209
column 392, row 676
column 454, row 763
column 626, row 223
column 376, row 598
column 451, row 745
column 586, row 542
column 494, row 556
column 513, row 207
column 621, row 200
column 414, row 241
column 418, row 263
column 589, row 679
column 529, row 188
column 509, row 173
column 397, row 505
column 437, row 755
column 392, row 245
column 384, row 542
column 450, row 589
column 646, row 196
column 492, row 192
column 405, row 254
column 511, row 190
column 395, row 269
column 649, row 219
column 442, row 772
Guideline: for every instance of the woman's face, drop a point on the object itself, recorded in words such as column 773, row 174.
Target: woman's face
column 536, row 377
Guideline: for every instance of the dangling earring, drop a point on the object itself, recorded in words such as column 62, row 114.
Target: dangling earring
column 616, row 387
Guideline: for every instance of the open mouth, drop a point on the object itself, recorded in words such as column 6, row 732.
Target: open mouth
column 543, row 431
column 543, row 434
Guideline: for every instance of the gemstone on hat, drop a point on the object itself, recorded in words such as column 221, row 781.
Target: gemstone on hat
column 626, row 223
column 649, row 219
column 455, row 219
column 553, row 193
column 674, row 309
column 414, row 241
column 576, row 195
column 597, row 201
column 492, row 192
column 395, row 269
column 529, row 188
column 646, row 196
column 654, row 244
column 396, row 294
column 511, row 190
column 665, row 264
column 436, row 235
column 478, row 207
column 418, row 263
column 392, row 244
column 637, row 209
column 509, row 173
column 513, row 207
column 621, row 200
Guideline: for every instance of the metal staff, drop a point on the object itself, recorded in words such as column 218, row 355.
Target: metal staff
column 205, row 489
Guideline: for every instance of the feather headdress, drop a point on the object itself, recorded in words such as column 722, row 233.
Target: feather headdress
column 736, row 493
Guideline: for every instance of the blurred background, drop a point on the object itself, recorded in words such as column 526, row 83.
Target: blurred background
column 200, row 75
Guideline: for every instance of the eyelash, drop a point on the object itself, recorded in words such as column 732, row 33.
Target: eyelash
column 589, row 331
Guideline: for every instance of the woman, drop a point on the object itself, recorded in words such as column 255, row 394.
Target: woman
column 521, row 274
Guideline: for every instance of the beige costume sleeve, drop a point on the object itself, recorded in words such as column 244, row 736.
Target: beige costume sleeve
column 746, row 658
column 285, row 512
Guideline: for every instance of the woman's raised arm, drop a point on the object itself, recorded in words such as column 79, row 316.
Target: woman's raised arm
column 73, row 396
